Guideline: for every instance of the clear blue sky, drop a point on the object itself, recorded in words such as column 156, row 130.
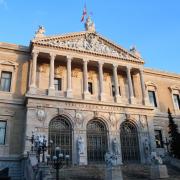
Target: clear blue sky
column 152, row 25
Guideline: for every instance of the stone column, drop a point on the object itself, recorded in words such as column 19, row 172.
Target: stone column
column 101, row 86
column 51, row 90
column 86, row 93
column 117, row 96
column 33, row 72
column 144, row 92
column 69, row 88
column 131, row 92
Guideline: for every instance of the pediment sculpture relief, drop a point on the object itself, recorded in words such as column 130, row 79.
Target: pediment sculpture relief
column 90, row 42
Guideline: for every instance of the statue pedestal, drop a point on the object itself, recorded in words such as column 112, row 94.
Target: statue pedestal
column 82, row 160
column 159, row 171
column 113, row 173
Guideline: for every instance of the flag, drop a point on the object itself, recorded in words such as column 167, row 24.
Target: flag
column 84, row 13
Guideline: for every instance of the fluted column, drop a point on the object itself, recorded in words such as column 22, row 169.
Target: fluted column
column 51, row 90
column 116, row 84
column 131, row 92
column 101, row 86
column 85, row 79
column 33, row 71
column 69, row 88
column 144, row 92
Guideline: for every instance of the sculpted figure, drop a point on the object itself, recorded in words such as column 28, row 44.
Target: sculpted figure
column 155, row 159
column 146, row 148
column 115, row 146
column 80, row 145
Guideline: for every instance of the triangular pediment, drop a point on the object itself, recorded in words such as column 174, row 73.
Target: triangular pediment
column 8, row 63
column 87, row 42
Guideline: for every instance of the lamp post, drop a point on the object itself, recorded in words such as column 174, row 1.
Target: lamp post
column 57, row 160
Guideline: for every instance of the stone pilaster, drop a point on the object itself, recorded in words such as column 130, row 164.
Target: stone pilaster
column 33, row 72
column 51, row 90
column 130, row 86
column 69, row 83
column 86, row 93
column 144, row 92
column 101, row 86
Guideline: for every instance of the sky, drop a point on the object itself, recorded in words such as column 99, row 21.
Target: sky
column 153, row 26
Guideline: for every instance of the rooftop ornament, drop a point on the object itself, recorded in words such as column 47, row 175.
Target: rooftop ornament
column 89, row 25
column 134, row 51
column 40, row 32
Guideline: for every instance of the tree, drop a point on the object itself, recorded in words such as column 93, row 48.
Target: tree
column 174, row 136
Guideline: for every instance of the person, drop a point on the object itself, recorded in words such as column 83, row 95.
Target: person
column 80, row 145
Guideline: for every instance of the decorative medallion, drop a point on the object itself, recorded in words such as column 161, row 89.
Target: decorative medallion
column 41, row 114
column 79, row 118
column 59, row 70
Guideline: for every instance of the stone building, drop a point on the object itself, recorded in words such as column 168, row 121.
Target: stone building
column 82, row 85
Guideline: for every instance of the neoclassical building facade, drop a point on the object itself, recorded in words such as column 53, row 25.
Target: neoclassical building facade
column 82, row 85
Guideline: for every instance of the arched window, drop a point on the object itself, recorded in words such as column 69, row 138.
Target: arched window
column 60, row 132
column 129, row 142
column 96, row 141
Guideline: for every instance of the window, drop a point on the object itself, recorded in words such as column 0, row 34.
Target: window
column 113, row 90
column 2, row 132
column 158, row 139
column 90, row 88
column 5, row 84
column 152, row 98
column 57, row 84
column 176, row 101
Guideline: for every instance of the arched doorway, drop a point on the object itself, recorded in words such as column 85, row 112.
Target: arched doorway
column 60, row 132
column 96, row 141
column 129, row 142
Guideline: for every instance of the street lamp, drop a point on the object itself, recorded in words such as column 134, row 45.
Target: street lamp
column 57, row 160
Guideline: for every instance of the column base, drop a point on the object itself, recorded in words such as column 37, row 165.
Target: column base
column 86, row 95
column 118, row 99
column 102, row 97
column 51, row 92
column 132, row 100
column 32, row 90
column 69, row 93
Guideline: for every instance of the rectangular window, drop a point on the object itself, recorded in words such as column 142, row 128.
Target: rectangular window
column 113, row 90
column 2, row 132
column 5, row 84
column 176, row 101
column 58, row 84
column 158, row 139
column 152, row 98
column 90, row 87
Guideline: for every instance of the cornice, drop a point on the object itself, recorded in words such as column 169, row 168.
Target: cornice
column 14, row 47
column 161, row 73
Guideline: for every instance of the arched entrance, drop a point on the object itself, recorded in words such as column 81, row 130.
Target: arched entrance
column 60, row 132
column 129, row 142
column 96, row 141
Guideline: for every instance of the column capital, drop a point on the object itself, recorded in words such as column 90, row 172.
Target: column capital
column 128, row 67
column 101, row 63
column 35, row 53
column 115, row 66
column 85, row 60
column 52, row 55
column 68, row 57
column 141, row 70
